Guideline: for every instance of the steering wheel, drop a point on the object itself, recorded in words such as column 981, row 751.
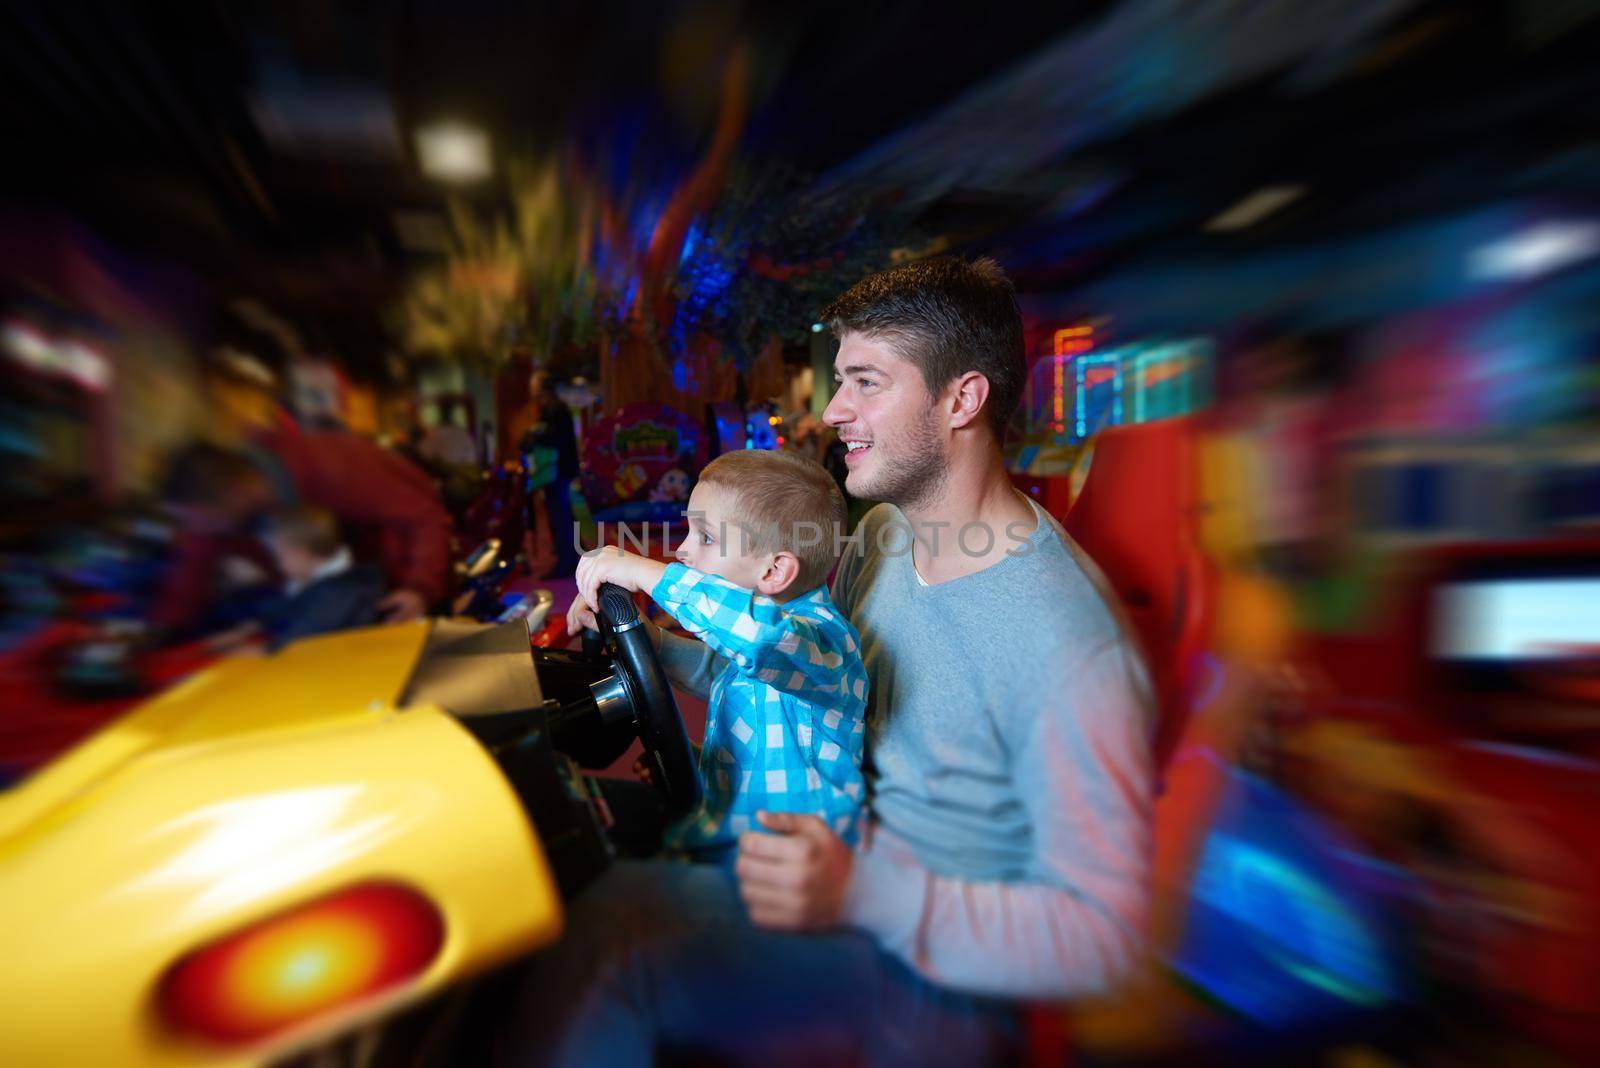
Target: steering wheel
column 649, row 695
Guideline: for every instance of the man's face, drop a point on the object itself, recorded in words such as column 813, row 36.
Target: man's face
column 715, row 543
column 886, row 418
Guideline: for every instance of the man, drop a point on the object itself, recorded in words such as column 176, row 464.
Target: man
column 1007, row 855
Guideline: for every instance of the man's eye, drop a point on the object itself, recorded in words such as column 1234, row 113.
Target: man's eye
column 867, row 383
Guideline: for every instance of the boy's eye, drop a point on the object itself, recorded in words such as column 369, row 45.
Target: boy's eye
column 705, row 538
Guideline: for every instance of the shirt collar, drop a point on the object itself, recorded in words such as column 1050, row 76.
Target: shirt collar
column 337, row 564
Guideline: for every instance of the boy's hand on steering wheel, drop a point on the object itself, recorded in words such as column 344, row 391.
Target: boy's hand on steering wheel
column 795, row 878
column 611, row 564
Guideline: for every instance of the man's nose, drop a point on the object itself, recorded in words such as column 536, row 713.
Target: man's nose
column 837, row 413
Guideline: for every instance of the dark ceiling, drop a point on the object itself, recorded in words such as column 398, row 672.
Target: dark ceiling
column 1068, row 142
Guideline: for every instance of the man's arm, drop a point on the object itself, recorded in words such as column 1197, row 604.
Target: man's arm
column 1084, row 772
column 691, row 665
column 1083, row 768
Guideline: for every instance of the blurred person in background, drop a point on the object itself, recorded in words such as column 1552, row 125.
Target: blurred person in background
column 390, row 510
column 448, row 452
column 324, row 589
column 544, row 435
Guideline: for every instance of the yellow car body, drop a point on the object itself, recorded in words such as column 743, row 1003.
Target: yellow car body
column 252, row 791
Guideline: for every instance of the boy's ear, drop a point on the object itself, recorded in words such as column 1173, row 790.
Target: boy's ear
column 782, row 569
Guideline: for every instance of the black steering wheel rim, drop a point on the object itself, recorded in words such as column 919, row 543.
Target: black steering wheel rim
column 655, row 710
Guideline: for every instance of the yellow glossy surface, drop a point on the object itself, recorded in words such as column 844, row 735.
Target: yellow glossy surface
column 259, row 785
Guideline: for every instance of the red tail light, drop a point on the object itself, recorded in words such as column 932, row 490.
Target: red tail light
column 294, row 967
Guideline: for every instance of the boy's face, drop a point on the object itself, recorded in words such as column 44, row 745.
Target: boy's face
column 295, row 561
column 715, row 544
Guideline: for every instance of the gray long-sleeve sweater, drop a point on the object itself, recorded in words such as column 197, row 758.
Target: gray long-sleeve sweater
column 1008, row 745
column 1009, row 726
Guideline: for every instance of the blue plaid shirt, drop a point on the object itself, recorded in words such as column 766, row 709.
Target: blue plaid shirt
column 785, row 719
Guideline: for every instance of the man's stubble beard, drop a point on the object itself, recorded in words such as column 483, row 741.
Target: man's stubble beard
column 916, row 476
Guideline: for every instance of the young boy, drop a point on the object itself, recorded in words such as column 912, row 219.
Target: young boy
column 785, row 715
column 324, row 590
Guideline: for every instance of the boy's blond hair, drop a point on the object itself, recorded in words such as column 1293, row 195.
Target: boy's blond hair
column 307, row 527
column 784, row 501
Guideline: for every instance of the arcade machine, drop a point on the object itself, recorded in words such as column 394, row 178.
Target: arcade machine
column 730, row 427
column 1081, row 389
column 639, row 464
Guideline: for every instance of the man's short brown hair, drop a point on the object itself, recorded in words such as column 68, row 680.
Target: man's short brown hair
column 313, row 529
column 948, row 317
column 784, row 501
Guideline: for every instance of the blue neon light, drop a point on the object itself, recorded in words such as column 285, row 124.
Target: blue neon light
column 1081, row 368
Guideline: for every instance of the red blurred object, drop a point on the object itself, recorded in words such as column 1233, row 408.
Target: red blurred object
column 1136, row 517
column 42, row 722
column 1516, row 772
column 291, row 968
column 500, row 511
column 1053, row 492
column 554, row 634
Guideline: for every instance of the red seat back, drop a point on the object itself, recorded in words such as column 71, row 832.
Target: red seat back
column 1136, row 516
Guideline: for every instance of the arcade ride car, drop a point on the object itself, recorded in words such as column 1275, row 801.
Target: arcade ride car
column 283, row 849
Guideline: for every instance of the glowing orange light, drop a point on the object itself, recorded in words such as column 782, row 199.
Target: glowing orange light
column 1068, row 342
column 774, row 420
column 1073, row 339
column 289, row 968
column 1060, row 401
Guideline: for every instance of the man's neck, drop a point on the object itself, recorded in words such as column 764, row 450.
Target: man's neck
column 977, row 498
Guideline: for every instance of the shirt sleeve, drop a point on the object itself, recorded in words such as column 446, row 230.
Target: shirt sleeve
column 764, row 640
column 691, row 665
column 1074, row 928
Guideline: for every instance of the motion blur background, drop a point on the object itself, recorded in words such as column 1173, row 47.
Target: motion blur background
column 1345, row 254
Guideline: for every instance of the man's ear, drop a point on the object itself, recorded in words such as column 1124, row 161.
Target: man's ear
column 782, row 569
column 967, row 394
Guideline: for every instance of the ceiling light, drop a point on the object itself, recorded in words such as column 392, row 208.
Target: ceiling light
column 1535, row 251
column 1255, row 207
column 453, row 152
